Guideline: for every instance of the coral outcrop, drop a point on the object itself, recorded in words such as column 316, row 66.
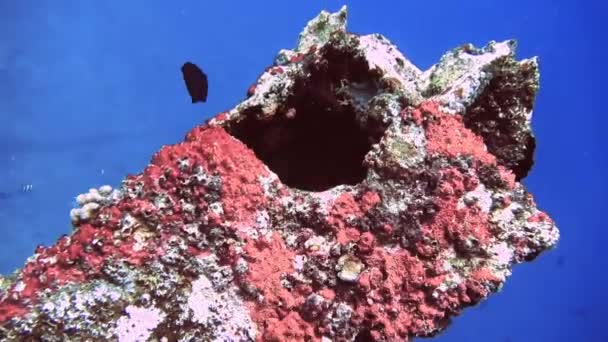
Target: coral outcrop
column 350, row 196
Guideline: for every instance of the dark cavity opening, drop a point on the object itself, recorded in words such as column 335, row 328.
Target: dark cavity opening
column 364, row 336
column 314, row 142
column 492, row 117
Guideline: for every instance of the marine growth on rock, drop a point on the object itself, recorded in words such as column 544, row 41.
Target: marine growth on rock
column 350, row 196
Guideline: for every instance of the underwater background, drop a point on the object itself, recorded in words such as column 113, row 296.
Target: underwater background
column 90, row 90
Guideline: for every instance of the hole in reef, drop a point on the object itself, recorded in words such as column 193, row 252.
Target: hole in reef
column 364, row 336
column 314, row 142
column 490, row 116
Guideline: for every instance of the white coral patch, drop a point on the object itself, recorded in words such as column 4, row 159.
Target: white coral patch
column 192, row 229
column 502, row 254
column 261, row 228
column 298, row 262
column 267, row 182
column 505, row 215
column 318, row 30
column 325, row 199
column 480, row 196
column 395, row 206
column 382, row 55
column 141, row 238
column 408, row 146
column 262, row 220
column 89, row 203
column 270, row 90
column 216, row 208
column 502, row 257
column 544, row 233
column 223, row 312
column 317, row 245
column 465, row 73
column 138, row 324
column 450, row 282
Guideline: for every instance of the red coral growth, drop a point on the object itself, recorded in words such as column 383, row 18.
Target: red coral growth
column 268, row 261
column 344, row 236
column 297, row 58
column 507, row 176
column 447, row 135
column 424, row 110
column 539, row 217
column 391, row 284
column 276, row 70
column 251, row 89
column 72, row 259
column 453, row 225
column 346, row 207
column 291, row 328
column 219, row 153
column 479, row 284
column 224, row 115
column 11, row 308
column 369, row 200
column 81, row 256
column 367, row 242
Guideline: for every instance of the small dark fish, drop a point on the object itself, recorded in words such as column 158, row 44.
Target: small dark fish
column 196, row 82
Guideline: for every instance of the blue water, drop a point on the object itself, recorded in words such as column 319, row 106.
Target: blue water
column 89, row 90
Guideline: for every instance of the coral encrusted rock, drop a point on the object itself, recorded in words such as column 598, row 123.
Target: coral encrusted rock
column 350, row 196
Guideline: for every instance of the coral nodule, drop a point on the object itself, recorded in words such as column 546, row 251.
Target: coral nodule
column 350, row 196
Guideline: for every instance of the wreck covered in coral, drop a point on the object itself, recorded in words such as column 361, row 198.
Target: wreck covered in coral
column 349, row 196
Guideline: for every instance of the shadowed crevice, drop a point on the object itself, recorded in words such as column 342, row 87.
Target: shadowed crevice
column 315, row 142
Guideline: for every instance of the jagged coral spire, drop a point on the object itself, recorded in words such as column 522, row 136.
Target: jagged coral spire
column 349, row 195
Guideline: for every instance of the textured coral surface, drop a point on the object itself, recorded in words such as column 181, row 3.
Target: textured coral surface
column 349, row 196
